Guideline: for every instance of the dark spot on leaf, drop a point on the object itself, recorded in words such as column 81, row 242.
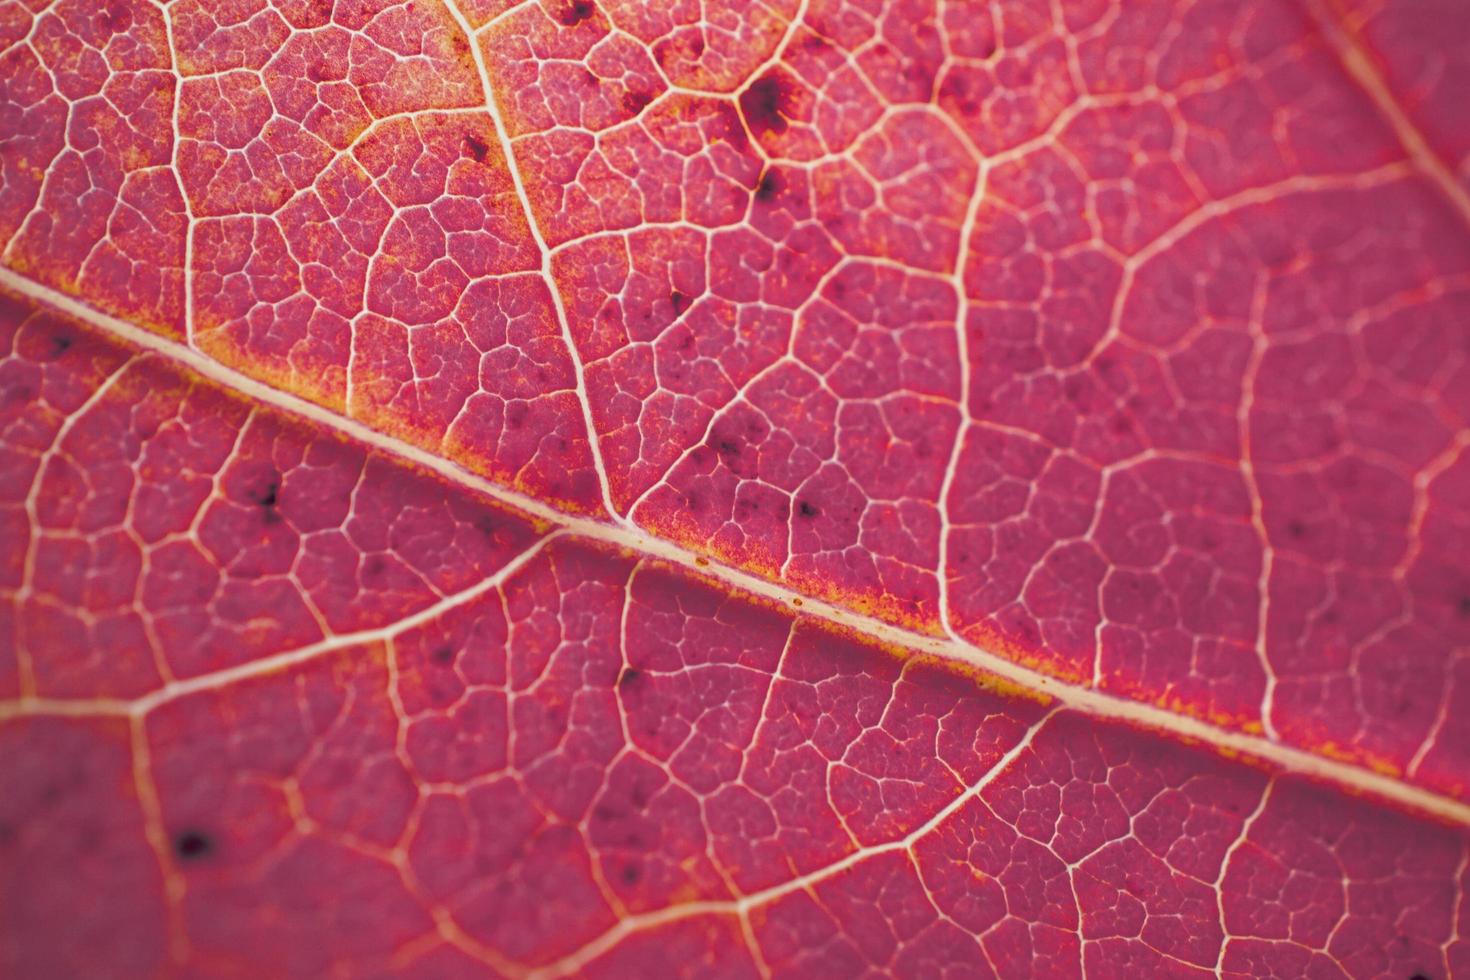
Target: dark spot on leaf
column 1419, row 976
column 631, row 874
column 727, row 447
column 17, row 394
column 443, row 655
column 635, row 101
column 1296, row 529
column 574, row 13
column 769, row 185
column 60, row 344
column 680, row 302
column 477, row 147
column 1464, row 607
column 959, row 91
column 768, row 103
column 486, row 526
column 807, row 509
column 267, row 493
column 193, row 845
column 630, row 678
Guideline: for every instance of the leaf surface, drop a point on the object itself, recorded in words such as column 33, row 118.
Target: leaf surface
column 589, row 488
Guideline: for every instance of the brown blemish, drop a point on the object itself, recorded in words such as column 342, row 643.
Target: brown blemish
column 635, row 101
column 769, row 185
column 769, row 103
column 477, row 147
column 574, row 13
column 193, row 845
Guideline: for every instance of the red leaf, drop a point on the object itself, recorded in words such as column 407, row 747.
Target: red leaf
column 627, row 490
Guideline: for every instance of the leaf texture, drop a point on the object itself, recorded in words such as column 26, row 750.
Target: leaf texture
column 821, row 489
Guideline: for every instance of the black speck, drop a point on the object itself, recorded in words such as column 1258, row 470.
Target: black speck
column 680, row 302
column 767, row 104
column 267, row 493
column 1419, row 976
column 807, row 509
column 630, row 678
column 574, row 13
column 1296, row 529
column 60, row 344
column 635, row 101
column 726, row 447
column 193, row 845
column 768, row 186
column 443, row 655
column 478, row 148
column 1464, row 606
column 631, row 874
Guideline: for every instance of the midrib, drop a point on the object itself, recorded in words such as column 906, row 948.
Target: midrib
column 1345, row 775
